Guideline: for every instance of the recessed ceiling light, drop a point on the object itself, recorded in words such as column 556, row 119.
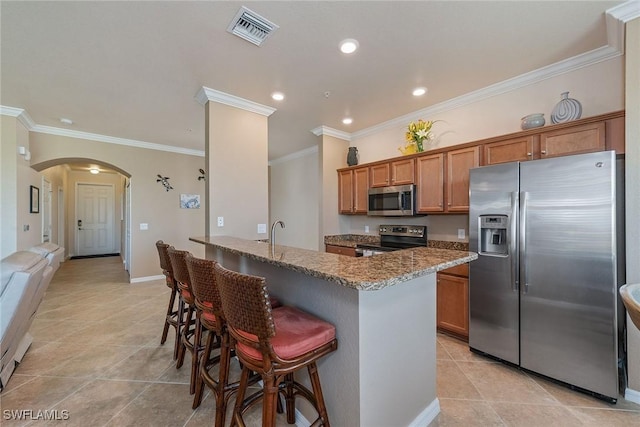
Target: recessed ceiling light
column 347, row 120
column 419, row 91
column 277, row 96
column 349, row 45
column 94, row 171
column 66, row 121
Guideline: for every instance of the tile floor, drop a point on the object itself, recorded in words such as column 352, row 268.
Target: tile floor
column 96, row 354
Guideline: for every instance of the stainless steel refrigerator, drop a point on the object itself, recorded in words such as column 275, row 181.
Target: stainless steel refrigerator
column 543, row 292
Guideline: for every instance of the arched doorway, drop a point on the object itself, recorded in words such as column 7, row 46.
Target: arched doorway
column 93, row 211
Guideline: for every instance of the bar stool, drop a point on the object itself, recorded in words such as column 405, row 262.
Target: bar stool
column 171, row 318
column 186, row 321
column 210, row 316
column 275, row 344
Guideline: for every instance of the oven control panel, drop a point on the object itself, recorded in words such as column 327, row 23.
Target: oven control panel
column 403, row 230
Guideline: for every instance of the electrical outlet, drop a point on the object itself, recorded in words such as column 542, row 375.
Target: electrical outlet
column 144, row 226
column 262, row 228
column 460, row 233
column 366, row 228
column 220, row 221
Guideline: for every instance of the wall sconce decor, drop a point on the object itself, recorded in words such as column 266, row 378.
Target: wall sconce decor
column 34, row 199
column 203, row 175
column 165, row 181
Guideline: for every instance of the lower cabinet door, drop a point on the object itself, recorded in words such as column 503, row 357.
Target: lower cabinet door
column 453, row 305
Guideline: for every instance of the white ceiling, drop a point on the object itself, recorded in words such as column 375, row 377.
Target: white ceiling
column 132, row 69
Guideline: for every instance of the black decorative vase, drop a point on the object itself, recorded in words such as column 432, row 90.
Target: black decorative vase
column 352, row 156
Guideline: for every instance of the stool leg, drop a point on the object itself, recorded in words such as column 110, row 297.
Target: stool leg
column 197, row 398
column 290, row 399
column 317, row 391
column 270, row 394
column 179, row 323
column 183, row 338
column 165, row 331
column 197, row 337
column 242, row 389
column 223, row 379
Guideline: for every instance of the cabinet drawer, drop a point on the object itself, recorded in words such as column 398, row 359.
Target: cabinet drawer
column 340, row 250
column 458, row 270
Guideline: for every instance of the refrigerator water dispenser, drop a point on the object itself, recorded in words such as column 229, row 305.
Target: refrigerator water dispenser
column 493, row 234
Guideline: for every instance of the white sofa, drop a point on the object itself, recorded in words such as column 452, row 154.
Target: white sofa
column 52, row 252
column 25, row 276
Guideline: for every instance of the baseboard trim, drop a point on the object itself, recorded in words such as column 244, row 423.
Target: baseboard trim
column 429, row 414
column 632, row 395
column 146, row 278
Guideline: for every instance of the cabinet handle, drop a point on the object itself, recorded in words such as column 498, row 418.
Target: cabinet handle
column 529, row 154
column 544, row 152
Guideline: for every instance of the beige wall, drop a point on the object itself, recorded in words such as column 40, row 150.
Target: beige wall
column 17, row 177
column 150, row 203
column 599, row 87
column 632, row 199
column 237, row 173
column 296, row 201
column 332, row 155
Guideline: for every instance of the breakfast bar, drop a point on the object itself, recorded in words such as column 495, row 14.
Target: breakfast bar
column 384, row 310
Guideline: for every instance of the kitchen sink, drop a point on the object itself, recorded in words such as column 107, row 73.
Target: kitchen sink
column 631, row 298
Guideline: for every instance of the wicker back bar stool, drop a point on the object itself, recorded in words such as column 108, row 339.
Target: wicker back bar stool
column 171, row 318
column 186, row 314
column 275, row 344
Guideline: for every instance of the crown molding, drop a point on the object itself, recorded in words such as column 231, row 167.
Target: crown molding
column 326, row 130
column 296, row 155
column 626, row 11
column 206, row 94
column 32, row 126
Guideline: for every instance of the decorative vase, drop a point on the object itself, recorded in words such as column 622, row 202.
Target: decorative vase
column 532, row 121
column 352, row 156
column 566, row 110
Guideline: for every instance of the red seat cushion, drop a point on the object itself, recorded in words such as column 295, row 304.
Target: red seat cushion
column 297, row 333
column 275, row 303
column 208, row 316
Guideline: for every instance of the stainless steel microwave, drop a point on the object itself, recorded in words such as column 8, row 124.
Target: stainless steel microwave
column 397, row 200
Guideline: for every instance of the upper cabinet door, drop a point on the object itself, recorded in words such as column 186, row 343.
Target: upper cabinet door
column 345, row 191
column 574, row 140
column 430, row 183
column 360, row 190
column 459, row 162
column 402, row 172
column 517, row 149
column 380, row 175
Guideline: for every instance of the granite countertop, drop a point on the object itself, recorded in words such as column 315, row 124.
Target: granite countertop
column 362, row 273
column 352, row 240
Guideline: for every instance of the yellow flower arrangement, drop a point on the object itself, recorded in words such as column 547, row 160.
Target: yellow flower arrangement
column 417, row 133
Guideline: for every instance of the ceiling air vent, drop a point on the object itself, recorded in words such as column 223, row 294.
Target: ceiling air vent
column 251, row 26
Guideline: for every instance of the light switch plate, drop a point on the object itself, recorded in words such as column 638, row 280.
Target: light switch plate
column 262, row 228
column 366, row 228
column 144, row 226
column 461, row 233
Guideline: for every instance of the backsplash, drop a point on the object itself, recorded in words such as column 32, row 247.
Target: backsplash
column 439, row 227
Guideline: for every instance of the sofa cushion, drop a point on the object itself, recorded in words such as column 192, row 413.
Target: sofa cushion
column 17, row 261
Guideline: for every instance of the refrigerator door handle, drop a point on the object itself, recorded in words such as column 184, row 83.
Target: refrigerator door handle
column 513, row 230
column 524, row 198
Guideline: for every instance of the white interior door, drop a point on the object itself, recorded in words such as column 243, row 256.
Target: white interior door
column 94, row 219
column 46, row 210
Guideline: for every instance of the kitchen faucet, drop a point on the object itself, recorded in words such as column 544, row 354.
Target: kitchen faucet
column 273, row 231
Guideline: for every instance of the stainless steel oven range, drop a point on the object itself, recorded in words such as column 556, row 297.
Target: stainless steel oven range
column 395, row 237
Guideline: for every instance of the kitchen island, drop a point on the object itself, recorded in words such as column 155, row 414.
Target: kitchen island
column 384, row 309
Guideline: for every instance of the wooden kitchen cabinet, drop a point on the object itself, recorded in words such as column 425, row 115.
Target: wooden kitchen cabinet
column 452, row 313
column 397, row 172
column 430, row 179
column 340, row 250
column 353, row 187
column 573, row 140
column 511, row 150
column 585, row 138
column 459, row 162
